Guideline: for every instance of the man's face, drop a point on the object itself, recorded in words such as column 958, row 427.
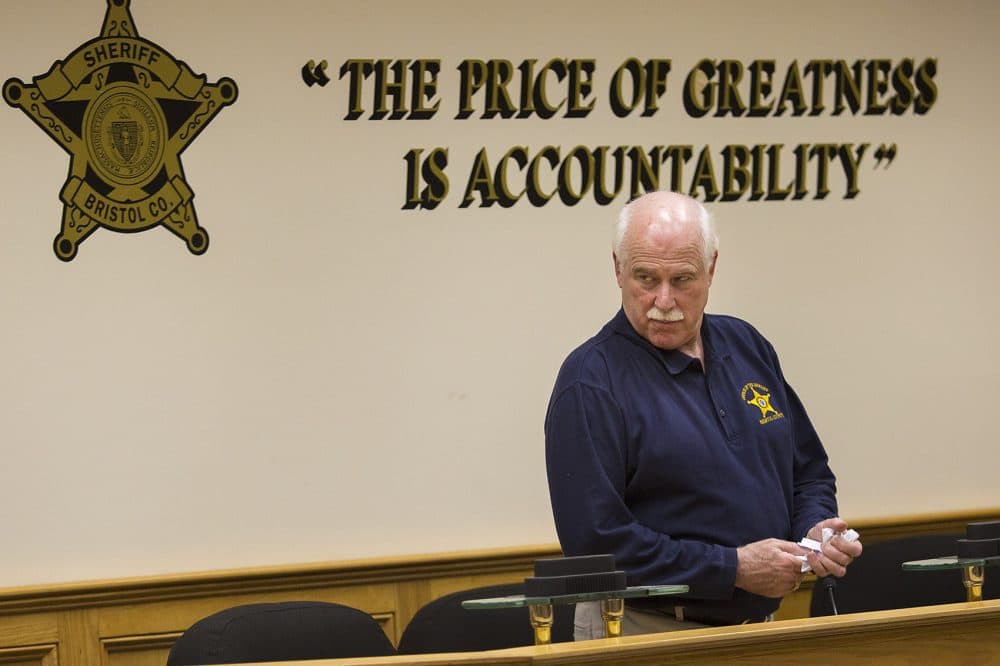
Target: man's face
column 664, row 281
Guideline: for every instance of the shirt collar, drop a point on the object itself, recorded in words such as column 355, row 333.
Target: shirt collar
column 675, row 361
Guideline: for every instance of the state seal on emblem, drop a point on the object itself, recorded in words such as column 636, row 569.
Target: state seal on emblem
column 125, row 136
column 124, row 109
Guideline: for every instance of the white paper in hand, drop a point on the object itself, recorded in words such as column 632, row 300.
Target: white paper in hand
column 815, row 546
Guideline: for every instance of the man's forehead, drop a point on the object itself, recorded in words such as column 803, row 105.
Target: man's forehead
column 676, row 255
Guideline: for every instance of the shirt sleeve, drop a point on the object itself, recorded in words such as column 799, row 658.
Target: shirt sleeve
column 814, row 486
column 815, row 490
column 586, row 458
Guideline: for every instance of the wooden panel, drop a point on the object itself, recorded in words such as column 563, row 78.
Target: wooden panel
column 36, row 629
column 148, row 650
column 29, row 640
column 34, row 655
column 146, row 657
column 78, row 637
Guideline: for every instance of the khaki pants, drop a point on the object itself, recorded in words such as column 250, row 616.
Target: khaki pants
column 589, row 624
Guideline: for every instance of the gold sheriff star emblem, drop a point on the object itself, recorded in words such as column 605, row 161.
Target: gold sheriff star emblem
column 125, row 110
column 762, row 401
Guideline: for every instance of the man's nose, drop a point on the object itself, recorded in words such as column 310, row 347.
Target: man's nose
column 664, row 296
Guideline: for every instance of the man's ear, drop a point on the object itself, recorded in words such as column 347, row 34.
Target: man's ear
column 711, row 268
column 618, row 269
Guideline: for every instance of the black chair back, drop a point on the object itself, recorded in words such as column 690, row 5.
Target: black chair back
column 444, row 626
column 281, row 632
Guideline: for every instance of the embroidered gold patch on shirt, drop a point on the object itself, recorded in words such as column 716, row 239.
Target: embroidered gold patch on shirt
column 760, row 397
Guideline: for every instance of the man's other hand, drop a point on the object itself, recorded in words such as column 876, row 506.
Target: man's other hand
column 769, row 568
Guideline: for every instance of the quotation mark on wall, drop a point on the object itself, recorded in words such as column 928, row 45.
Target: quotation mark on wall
column 313, row 74
column 884, row 152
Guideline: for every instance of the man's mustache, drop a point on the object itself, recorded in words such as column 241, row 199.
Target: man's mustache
column 672, row 314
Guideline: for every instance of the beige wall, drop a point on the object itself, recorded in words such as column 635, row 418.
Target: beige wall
column 337, row 377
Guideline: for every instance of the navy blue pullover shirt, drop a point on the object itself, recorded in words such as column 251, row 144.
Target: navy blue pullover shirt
column 671, row 465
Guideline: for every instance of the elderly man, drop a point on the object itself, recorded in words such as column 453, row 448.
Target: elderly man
column 674, row 442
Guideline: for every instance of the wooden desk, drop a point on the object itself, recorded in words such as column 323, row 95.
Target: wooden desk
column 966, row 633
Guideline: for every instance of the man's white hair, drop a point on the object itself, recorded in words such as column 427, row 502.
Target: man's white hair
column 679, row 213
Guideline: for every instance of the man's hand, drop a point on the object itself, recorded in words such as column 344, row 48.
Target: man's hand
column 836, row 554
column 769, row 567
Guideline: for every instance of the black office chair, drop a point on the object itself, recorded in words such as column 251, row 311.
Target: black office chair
column 876, row 580
column 281, row 632
column 444, row 626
